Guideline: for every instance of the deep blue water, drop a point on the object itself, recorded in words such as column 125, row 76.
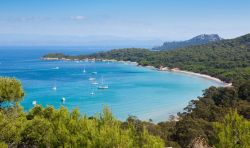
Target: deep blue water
column 133, row 90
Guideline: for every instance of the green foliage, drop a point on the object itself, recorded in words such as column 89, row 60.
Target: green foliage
column 140, row 128
column 188, row 129
column 3, row 145
column 226, row 59
column 47, row 127
column 197, row 118
column 233, row 132
column 10, row 90
column 54, row 55
column 244, row 91
column 37, row 132
column 12, row 122
column 212, row 107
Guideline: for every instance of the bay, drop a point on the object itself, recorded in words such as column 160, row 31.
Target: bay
column 139, row 91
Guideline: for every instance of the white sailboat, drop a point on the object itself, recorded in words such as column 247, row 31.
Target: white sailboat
column 103, row 86
column 63, row 99
column 34, row 103
column 95, row 83
column 54, row 88
column 91, row 79
column 92, row 93
column 84, row 71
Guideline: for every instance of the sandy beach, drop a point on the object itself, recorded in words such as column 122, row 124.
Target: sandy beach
column 202, row 76
column 176, row 70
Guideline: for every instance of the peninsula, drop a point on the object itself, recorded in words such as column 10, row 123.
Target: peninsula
column 211, row 59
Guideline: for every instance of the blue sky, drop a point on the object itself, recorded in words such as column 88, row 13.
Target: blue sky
column 125, row 19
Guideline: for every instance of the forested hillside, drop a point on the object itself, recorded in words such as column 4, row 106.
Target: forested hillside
column 228, row 60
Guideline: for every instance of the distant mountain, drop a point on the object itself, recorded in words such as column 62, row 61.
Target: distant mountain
column 198, row 40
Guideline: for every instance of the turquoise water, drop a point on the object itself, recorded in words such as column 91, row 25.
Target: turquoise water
column 133, row 90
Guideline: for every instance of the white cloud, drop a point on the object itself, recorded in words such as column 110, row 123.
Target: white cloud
column 78, row 17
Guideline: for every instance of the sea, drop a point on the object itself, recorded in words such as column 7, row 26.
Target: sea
column 132, row 90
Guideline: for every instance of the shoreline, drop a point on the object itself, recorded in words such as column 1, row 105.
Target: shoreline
column 202, row 76
column 175, row 70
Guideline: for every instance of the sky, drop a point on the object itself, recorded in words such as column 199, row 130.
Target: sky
column 72, row 21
